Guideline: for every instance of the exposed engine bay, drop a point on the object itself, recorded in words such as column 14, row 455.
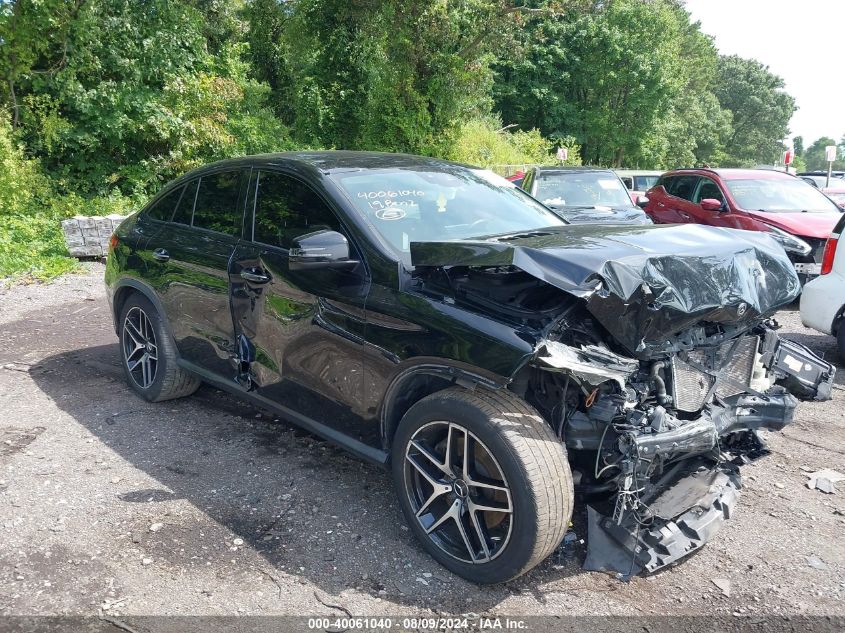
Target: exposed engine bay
column 656, row 425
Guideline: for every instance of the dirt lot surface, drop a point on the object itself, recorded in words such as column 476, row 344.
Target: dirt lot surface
column 206, row 506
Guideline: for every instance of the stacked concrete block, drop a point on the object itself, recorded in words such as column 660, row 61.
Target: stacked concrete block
column 88, row 236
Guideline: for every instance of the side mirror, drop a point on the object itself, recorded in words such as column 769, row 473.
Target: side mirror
column 642, row 202
column 321, row 249
column 711, row 204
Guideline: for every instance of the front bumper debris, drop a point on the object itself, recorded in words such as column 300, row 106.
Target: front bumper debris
column 682, row 517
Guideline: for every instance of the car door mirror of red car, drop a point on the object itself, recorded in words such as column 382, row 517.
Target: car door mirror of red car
column 642, row 202
column 711, row 204
column 321, row 249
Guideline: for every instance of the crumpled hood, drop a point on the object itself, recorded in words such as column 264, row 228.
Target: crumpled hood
column 644, row 284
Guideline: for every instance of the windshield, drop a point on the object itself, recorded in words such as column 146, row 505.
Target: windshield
column 779, row 195
column 581, row 189
column 441, row 203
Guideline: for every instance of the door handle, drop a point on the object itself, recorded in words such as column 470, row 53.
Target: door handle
column 161, row 255
column 255, row 276
column 660, row 204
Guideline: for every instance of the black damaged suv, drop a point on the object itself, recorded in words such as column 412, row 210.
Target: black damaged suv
column 435, row 318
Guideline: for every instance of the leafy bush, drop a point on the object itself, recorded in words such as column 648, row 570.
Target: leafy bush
column 484, row 142
column 31, row 239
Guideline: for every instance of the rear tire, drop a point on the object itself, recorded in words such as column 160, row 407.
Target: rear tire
column 506, row 507
column 148, row 354
column 840, row 340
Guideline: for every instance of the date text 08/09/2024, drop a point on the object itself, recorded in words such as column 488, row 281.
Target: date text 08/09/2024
column 417, row 624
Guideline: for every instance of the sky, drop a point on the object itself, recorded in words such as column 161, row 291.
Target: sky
column 794, row 39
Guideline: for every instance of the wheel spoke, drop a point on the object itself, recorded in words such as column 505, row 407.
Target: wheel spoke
column 439, row 491
column 430, row 456
column 145, row 371
column 134, row 366
column 451, row 513
column 479, row 532
column 134, row 333
column 465, row 537
column 422, row 471
column 486, row 506
column 483, row 482
column 137, row 349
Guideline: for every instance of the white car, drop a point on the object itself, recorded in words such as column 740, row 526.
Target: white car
column 823, row 298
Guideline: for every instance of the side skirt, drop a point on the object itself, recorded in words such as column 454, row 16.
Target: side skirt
column 357, row 448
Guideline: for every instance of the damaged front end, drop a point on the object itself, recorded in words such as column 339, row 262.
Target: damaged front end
column 664, row 438
column 657, row 367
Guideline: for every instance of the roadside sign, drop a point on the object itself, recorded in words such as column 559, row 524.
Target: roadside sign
column 788, row 156
column 562, row 153
column 830, row 153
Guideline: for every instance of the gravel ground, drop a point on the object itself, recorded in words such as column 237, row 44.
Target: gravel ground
column 203, row 505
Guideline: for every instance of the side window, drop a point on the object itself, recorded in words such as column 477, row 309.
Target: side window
column 667, row 182
column 163, row 208
column 683, row 187
column 216, row 208
column 629, row 182
column 286, row 209
column 185, row 209
column 709, row 189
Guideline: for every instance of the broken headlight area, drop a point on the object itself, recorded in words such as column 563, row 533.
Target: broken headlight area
column 658, row 442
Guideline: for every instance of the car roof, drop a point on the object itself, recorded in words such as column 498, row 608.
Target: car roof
column 638, row 172
column 338, row 160
column 563, row 169
column 734, row 174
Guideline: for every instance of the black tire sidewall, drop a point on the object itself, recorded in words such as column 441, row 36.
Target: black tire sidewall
column 163, row 361
column 519, row 550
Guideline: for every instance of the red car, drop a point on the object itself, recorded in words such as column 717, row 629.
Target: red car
column 797, row 214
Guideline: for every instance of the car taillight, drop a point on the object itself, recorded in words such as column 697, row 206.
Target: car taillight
column 829, row 253
column 113, row 241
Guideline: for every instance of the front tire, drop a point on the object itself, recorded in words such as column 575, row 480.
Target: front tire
column 148, row 354
column 483, row 482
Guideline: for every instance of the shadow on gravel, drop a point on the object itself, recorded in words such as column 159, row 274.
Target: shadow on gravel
column 309, row 509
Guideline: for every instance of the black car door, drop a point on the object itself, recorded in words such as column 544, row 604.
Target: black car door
column 300, row 332
column 190, row 268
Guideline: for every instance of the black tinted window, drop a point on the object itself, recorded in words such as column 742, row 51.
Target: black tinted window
column 683, row 186
column 186, row 205
column 286, row 209
column 216, row 208
column 709, row 189
column 163, row 209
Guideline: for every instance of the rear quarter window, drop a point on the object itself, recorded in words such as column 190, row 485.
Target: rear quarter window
column 162, row 209
column 216, row 208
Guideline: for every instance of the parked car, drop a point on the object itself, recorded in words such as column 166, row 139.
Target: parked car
column 795, row 213
column 434, row 318
column 638, row 181
column 823, row 299
column 516, row 178
column 583, row 194
column 834, row 189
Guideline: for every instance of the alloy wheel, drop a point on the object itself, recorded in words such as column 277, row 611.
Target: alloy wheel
column 140, row 349
column 458, row 492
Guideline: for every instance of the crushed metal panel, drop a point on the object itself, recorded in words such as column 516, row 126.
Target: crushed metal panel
column 588, row 364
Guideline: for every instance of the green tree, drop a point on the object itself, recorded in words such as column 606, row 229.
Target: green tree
column 815, row 157
column 630, row 80
column 761, row 110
